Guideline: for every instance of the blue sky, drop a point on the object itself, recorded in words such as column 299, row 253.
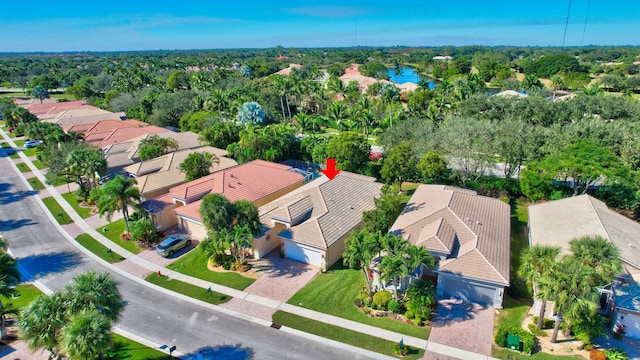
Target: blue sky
column 151, row 25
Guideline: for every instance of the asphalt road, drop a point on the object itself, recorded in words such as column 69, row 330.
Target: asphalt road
column 49, row 257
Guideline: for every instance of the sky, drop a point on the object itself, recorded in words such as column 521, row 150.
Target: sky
column 119, row 25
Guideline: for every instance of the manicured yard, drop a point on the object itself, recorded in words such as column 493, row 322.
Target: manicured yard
column 39, row 164
column 113, row 231
column 29, row 152
column 23, row 167
column 123, row 348
column 336, row 333
column 334, row 293
column 97, row 248
column 513, row 312
column 408, row 189
column 19, row 142
column 35, row 183
column 56, row 210
column 5, row 145
column 195, row 264
column 15, row 155
column 74, row 200
column 26, row 292
column 184, row 288
column 61, row 180
column 519, row 242
column 508, row 354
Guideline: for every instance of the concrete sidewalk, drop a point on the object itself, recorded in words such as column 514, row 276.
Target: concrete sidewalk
column 136, row 266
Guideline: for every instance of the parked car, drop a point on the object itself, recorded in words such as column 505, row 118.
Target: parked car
column 170, row 245
column 32, row 143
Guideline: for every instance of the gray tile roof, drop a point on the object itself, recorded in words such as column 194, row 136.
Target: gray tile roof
column 558, row 222
column 472, row 230
column 322, row 212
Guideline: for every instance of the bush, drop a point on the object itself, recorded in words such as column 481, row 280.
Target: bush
column 409, row 315
column 401, row 350
column 546, row 323
column 597, row 355
column 616, row 354
column 223, row 260
column 394, row 306
column 535, row 331
column 358, row 303
column 381, row 299
column 417, row 320
column 527, row 339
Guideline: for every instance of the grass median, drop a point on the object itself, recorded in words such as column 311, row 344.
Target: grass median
column 56, row 210
column 97, row 248
column 35, row 183
column 189, row 290
column 23, row 167
column 342, row 335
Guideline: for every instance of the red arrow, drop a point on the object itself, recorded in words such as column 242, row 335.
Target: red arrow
column 331, row 171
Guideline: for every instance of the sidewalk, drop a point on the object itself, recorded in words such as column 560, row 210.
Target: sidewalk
column 135, row 267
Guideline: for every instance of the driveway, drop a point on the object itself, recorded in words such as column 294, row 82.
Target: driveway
column 463, row 325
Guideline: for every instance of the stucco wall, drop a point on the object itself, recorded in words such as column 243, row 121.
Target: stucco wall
column 270, row 241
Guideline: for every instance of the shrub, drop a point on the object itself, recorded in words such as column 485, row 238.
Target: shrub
column 417, row 320
column 597, row 355
column 394, row 306
column 535, row 331
column 616, row 354
column 401, row 350
column 358, row 303
column 409, row 314
column 588, row 347
column 528, row 340
column 223, row 260
column 381, row 299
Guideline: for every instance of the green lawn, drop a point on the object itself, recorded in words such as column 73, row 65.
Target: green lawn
column 519, row 238
column 39, row 164
column 97, row 248
column 334, row 292
column 19, row 142
column 74, row 200
column 23, row 167
column 5, row 145
column 61, row 216
column 35, row 183
column 26, row 294
column 501, row 353
column 113, row 232
column 336, row 333
column 195, row 264
column 184, row 288
column 123, row 348
column 29, row 152
column 408, row 189
column 61, row 180
column 513, row 312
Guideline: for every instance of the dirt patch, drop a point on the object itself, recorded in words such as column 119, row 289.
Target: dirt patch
column 248, row 274
column 565, row 346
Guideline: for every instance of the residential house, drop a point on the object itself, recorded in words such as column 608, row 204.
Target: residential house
column 257, row 181
column 311, row 223
column 157, row 176
column 105, row 133
column 556, row 223
column 468, row 234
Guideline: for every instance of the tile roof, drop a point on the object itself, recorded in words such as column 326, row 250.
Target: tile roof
column 57, row 107
column 322, row 212
column 558, row 222
column 251, row 181
column 164, row 171
column 472, row 230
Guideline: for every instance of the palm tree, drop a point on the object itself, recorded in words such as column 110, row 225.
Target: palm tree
column 337, row 87
column 337, row 112
column 42, row 320
column 417, row 256
column 119, row 194
column 9, row 276
column 360, row 249
column 241, row 239
column 598, row 254
column 155, row 146
column 93, row 291
column 197, row 165
column 393, row 268
column 217, row 212
column 86, row 335
column 536, row 262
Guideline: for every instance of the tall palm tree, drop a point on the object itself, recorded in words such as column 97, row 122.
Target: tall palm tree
column 417, row 256
column 598, row 254
column 42, row 320
column 119, row 194
column 360, row 249
column 536, row 262
column 9, row 276
column 393, row 268
column 337, row 112
column 86, row 335
column 95, row 291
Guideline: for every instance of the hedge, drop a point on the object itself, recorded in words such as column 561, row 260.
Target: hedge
column 528, row 340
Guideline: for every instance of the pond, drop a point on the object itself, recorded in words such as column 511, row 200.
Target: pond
column 408, row 75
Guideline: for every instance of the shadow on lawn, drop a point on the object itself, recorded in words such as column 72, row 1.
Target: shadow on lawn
column 455, row 311
column 45, row 264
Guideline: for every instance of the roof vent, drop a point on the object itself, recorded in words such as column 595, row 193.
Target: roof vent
column 350, row 207
column 478, row 222
column 631, row 245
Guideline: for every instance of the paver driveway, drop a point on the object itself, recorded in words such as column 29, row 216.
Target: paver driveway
column 464, row 325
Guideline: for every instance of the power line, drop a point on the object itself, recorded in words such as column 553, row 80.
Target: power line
column 586, row 19
column 566, row 24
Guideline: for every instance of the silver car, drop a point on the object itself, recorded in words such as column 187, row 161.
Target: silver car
column 170, row 245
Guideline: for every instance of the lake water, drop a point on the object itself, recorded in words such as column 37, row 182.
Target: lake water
column 408, row 75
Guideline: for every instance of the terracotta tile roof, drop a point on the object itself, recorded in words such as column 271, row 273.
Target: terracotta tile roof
column 107, row 125
column 57, row 107
column 251, row 181
column 557, row 222
column 323, row 212
column 472, row 231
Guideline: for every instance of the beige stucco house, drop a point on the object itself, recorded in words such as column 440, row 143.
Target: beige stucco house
column 468, row 234
column 257, row 181
column 311, row 223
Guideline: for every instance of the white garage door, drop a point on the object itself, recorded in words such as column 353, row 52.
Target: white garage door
column 469, row 292
column 303, row 253
column 196, row 230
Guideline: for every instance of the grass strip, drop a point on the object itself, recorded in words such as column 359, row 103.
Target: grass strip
column 113, row 231
column 195, row 264
column 39, row 164
column 97, row 248
column 75, row 201
column 23, row 167
column 124, row 348
column 25, row 294
column 35, row 184
column 189, row 290
column 342, row 335
column 56, row 210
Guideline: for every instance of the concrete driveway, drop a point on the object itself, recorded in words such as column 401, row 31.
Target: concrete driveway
column 463, row 325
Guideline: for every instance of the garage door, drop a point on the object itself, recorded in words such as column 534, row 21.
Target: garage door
column 196, row 230
column 469, row 292
column 303, row 253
